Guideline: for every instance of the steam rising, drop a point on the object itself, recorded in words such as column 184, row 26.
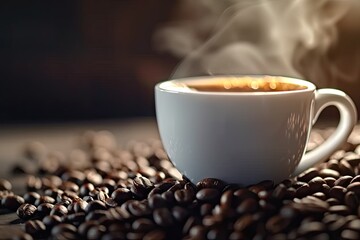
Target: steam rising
column 276, row 37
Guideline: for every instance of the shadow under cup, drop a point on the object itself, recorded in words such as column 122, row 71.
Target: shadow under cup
column 237, row 129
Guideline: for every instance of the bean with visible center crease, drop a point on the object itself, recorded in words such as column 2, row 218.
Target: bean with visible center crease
column 26, row 211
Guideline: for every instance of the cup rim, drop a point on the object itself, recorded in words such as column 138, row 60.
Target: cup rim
column 178, row 86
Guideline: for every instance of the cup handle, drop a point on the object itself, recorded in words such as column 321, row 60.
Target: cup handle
column 348, row 119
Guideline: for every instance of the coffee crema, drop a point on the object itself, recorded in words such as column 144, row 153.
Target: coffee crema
column 244, row 85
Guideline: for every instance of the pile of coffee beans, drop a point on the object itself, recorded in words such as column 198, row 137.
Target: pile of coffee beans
column 101, row 191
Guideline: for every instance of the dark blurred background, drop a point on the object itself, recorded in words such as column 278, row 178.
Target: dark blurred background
column 75, row 60
column 81, row 60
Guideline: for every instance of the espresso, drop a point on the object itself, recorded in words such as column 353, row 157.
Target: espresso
column 244, row 85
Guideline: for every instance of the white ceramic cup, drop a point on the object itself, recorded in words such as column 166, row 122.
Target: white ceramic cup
column 246, row 137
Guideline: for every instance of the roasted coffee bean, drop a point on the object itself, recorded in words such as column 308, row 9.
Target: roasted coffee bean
column 53, row 192
column 31, row 197
column 164, row 186
column 93, row 177
column 154, row 191
column 59, row 210
column 330, row 181
column 114, row 236
column 217, row 233
column 211, row 183
column 249, row 205
column 134, row 236
column 354, row 187
column 33, row 183
column 78, row 205
column 109, row 202
column 141, row 187
column 288, row 212
column 340, row 222
column 62, row 228
column 156, row 201
column 175, row 187
column 163, row 217
column 337, row 192
column 311, row 206
column 88, row 199
column 256, row 188
column 26, row 211
column 350, row 235
column 110, row 184
column 86, row 188
column 184, row 196
column 345, row 168
column 343, row 181
column 236, row 236
column 95, row 205
column 74, row 218
column 333, row 164
column 325, row 189
column 5, row 185
column 303, row 191
column 143, row 225
column 96, row 232
column 12, row 202
column 35, row 228
column 180, row 214
column 329, row 173
column 208, row 194
column 155, row 235
column 98, row 194
column 279, row 192
column 320, row 195
column 339, row 209
column 244, row 193
column 333, row 201
column 121, row 195
column 227, row 198
column 119, row 213
column 310, row 229
column 277, row 224
column 198, row 232
column 97, row 214
column 74, row 176
column 85, row 226
column 169, row 197
column 44, row 199
column 243, row 222
column 290, row 193
column 69, row 186
column 353, row 225
column 355, row 179
column 139, row 208
column 351, row 200
column 51, row 220
column 206, row 209
column 308, row 175
column 44, row 209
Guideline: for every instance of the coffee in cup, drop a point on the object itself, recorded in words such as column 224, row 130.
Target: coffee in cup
column 245, row 129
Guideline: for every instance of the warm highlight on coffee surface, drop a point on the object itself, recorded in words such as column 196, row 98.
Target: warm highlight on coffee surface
column 245, row 85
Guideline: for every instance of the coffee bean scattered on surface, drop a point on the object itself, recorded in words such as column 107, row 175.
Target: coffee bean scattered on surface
column 104, row 192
